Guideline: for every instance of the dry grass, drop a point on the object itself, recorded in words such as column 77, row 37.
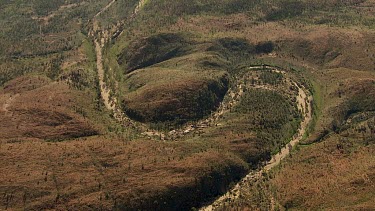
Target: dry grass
column 336, row 86
column 160, row 94
column 318, row 45
column 37, row 108
column 323, row 176
column 104, row 172
column 337, row 173
column 100, row 173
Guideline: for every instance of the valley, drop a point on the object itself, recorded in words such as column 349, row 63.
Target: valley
column 187, row 105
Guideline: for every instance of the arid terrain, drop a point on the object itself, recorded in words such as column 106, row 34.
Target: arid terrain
column 186, row 105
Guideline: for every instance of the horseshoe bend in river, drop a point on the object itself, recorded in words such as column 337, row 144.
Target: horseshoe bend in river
column 303, row 101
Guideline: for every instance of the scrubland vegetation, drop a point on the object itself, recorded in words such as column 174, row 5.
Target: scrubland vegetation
column 339, row 163
column 174, row 64
column 335, row 161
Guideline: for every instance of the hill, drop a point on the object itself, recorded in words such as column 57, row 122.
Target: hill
column 166, row 105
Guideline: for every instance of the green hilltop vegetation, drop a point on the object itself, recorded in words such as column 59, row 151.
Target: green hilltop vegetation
column 200, row 104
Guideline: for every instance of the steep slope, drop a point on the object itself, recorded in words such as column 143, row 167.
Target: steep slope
column 33, row 107
column 127, row 104
column 340, row 163
column 335, row 161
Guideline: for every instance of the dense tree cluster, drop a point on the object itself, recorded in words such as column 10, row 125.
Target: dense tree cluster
column 271, row 115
